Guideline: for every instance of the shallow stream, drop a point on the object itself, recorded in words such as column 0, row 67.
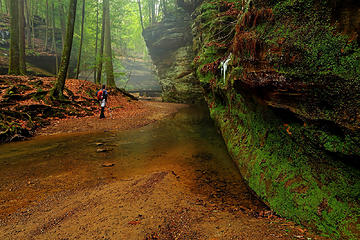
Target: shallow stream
column 185, row 144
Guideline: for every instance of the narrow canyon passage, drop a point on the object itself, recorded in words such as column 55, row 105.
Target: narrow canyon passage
column 170, row 180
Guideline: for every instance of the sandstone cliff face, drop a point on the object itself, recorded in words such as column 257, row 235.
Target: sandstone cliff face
column 288, row 108
column 170, row 46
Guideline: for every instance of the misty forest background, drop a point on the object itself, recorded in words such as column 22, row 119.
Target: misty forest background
column 45, row 31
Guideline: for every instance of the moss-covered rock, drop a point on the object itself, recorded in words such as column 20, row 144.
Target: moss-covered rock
column 288, row 108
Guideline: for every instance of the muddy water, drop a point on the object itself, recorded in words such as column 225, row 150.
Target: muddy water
column 186, row 144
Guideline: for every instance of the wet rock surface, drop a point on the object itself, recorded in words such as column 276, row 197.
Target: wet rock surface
column 288, row 108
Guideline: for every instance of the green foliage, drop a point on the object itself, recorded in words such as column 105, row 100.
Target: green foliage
column 126, row 34
column 207, row 11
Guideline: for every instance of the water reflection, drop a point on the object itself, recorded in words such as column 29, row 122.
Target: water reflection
column 187, row 144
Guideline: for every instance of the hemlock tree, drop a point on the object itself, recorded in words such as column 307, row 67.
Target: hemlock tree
column 109, row 69
column 57, row 91
column 14, row 62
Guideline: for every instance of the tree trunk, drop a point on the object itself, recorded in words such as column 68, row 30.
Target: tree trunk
column 57, row 91
column 36, row 7
column 141, row 17
column 22, row 38
column 109, row 70
column 62, row 22
column 47, row 25
column 101, row 53
column 32, row 24
column 164, row 7
column 54, row 37
column 96, row 40
column 153, row 18
column 28, row 30
column 149, row 8
column 7, row 7
column 14, row 65
column 81, row 41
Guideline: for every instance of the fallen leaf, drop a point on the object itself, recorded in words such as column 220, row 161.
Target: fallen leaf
column 134, row 222
column 108, row 164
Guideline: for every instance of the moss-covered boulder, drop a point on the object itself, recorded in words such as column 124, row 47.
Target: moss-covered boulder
column 289, row 104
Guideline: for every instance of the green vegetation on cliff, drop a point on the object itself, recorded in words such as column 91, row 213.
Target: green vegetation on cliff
column 289, row 106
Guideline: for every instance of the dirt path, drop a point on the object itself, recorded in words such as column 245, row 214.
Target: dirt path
column 118, row 117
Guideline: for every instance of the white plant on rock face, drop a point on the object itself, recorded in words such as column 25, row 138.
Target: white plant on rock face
column 224, row 65
column 245, row 4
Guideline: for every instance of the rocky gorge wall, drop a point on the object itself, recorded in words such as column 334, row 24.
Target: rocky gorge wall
column 288, row 108
column 170, row 47
column 289, row 105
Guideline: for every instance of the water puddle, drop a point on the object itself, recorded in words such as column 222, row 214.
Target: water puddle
column 186, row 144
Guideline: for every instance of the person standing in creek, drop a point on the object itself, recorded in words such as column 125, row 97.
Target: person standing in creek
column 102, row 97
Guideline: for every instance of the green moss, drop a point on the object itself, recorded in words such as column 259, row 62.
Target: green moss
column 304, row 30
column 296, row 167
column 280, row 156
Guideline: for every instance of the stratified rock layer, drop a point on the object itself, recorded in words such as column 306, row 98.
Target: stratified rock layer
column 288, row 108
column 170, row 46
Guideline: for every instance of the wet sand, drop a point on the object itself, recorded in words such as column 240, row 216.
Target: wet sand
column 172, row 179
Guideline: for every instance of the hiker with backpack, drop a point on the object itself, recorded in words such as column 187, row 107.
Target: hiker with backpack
column 102, row 97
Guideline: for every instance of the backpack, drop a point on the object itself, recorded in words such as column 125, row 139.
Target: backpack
column 100, row 95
